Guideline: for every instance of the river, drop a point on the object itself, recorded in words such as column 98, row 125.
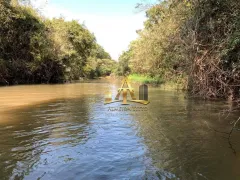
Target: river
column 66, row 132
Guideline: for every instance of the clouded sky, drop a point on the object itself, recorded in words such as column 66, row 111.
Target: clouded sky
column 113, row 22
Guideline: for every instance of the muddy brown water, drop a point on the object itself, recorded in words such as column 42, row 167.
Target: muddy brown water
column 66, row 132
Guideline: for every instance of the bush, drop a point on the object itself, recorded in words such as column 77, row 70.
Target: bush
column 193, row 42
column 38, row 50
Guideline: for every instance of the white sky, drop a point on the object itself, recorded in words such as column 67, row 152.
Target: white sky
column 114, row 31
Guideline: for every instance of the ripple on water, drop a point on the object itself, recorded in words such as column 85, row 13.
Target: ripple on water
column 79, row 139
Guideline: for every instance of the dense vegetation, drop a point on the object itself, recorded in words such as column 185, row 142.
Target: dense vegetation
column 34, row 49
column 195, row 43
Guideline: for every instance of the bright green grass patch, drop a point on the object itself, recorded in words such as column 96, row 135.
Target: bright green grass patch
column 145, row 79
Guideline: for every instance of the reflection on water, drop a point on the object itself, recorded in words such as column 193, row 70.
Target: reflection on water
column 179, row 140
column 65, row 132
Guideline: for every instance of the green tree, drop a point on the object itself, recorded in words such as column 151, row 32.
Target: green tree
column 100, row 53
column 123, row 63
column 34, row 49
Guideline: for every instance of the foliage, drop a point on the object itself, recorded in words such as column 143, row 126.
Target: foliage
column 38, row 50
column 212, row 38
column 193, row 42
column 99, row 67
column 23, row 42
column 123, row 63
column 100, row 53
column 105, row 67
column 145, row 79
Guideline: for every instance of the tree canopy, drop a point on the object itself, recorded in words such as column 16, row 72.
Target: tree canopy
column 34, row 49
column 191, row 42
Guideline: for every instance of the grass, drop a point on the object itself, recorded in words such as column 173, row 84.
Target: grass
column 145, row 79
column 174, row 84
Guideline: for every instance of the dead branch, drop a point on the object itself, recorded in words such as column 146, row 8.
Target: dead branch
column 229, row 134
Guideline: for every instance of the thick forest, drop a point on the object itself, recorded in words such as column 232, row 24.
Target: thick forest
column 192, row 43
column 195, row 43
column 34, row 49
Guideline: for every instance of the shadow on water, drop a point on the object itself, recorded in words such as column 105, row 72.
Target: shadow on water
column 176, row 131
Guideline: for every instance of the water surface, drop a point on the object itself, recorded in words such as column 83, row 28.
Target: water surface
column 66, row 132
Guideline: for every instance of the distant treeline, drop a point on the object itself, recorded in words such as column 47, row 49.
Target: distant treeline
column 195, row 43
column 34, row 49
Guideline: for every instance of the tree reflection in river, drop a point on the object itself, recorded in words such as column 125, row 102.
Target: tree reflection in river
column 180, row 142
column 74, row 136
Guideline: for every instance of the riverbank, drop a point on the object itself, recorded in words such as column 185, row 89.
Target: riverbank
column 20, row 96
column 205, row 56
column 145, row 79
column 49, row 50
column 157, row 81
